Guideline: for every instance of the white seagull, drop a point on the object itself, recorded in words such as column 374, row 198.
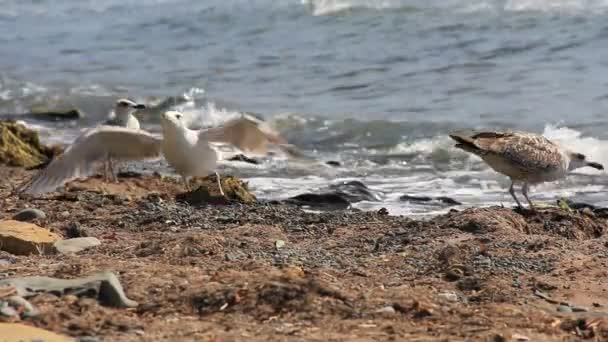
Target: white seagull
column 122, row 116
column 187, row 151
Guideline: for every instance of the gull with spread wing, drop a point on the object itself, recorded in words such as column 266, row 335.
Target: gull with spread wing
column 187, row 151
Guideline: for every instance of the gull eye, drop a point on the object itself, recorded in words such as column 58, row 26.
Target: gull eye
column 178, row 116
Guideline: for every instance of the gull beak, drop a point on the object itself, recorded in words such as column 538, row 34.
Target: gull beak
column 139, row 106
column 595, row 165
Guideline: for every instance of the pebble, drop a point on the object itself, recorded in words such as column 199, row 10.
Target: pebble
column 279, row 244
column 387, row 310
column 518, row 337
column 19, row 302
column 564, row 308
column 76, row 245
column 579, row 309
column 449, row 296
column 7, row 310
column 29, row 214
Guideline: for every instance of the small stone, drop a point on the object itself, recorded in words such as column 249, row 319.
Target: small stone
column 29, row 214
column 454, row 274
column 564, row 308
column 518, row 337
column 279, row 244
column 449, row 296
column 499, row 338
column 27, row 309
column 7, row 310
column 73, row 230
column 23, row 238
column 76, row 245
column 579, row 309
column 386, row 311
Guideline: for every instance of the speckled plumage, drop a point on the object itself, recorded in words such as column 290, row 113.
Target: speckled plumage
column 524, row 157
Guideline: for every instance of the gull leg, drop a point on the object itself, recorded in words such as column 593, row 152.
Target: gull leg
column 186, row 184
column 219, row 184
column 106, row 171
column 524, row 191
column 512, row 192
column 114, row 178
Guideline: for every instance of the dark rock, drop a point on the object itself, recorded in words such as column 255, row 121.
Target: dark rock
column 104, row 286
column 73, row 230
column 333, row 163
column 356, row 191
column 29, row 214
column 564, row 308
column 469, row 284
column 70, row 114
column 244, row 158
column 424, row 199
column 329, row 201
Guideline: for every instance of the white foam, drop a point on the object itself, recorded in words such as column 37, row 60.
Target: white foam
column 327, row 7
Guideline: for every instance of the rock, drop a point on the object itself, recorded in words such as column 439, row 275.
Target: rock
column 579, row 309
column 564, row 308
column 20, row 303
column 518, row 337
column 449, row 296
column 328, row 201
column 76, row 245
column 14, row 332
column 279, row 244
column 386, row 311
column 29, row 214
column 73, row 230
column 104, row 286
column 356, row 191
column 7, row 310
column 424, row 199
column 244, row 158
column 55, row 115
column 333, row 163
column 207, row 191
column 23, row 238
column 20, row 146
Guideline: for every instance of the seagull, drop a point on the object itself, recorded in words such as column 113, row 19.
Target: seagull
column 122, row 116
column 526, row 158
column 187, row 151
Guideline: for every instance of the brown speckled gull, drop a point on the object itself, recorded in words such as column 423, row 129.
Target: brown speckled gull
column 524, row 157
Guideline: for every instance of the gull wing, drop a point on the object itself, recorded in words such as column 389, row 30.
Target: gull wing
column 526, row 150
column 248, row 135
column 80, row 159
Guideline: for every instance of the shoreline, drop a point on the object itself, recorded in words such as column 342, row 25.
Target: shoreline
column 270, row 270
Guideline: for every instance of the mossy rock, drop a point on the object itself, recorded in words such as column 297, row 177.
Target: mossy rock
column 207, row 191
column 20, row 146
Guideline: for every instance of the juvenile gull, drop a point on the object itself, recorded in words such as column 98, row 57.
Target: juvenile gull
column 122, row 116
column 524, row 157
column 187, row 151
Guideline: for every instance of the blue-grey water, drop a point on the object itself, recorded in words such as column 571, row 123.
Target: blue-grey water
column 373, row 84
